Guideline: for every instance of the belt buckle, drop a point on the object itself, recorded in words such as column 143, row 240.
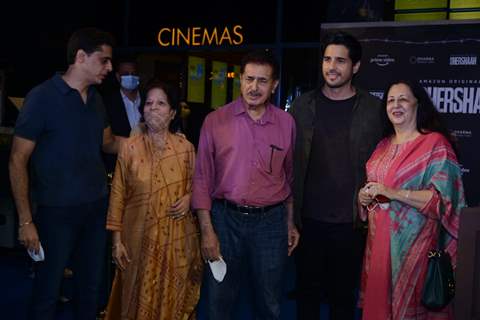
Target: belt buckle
column 241, row 208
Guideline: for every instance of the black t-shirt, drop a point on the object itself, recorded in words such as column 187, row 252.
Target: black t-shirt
column 67, row 167
column 329, row 180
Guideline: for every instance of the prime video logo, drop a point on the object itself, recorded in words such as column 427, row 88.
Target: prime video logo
column 458, row 60
column 382, row 60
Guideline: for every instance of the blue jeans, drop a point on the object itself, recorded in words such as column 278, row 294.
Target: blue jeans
column 255, row 245
column 76, row 234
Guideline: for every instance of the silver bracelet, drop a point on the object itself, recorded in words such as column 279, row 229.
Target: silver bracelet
column 407, row 195
column 20, row 225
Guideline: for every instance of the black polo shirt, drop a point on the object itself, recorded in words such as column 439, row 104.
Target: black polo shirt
column 66, row 164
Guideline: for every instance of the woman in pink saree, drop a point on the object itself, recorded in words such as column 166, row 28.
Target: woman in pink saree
column 414, row 187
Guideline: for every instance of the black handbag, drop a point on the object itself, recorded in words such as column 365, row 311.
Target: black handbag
column 439, row 288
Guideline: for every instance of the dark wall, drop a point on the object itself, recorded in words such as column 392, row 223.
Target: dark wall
column 34, row 33
column 34, row 36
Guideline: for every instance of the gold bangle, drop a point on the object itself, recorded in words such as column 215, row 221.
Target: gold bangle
column 20, row 225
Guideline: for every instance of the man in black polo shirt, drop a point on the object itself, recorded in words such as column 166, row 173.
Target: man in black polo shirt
column 61, row 130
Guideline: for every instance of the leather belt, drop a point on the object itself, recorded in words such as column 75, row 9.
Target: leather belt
column 248, row 209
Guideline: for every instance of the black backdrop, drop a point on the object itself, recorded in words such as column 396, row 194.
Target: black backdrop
column 444, row 58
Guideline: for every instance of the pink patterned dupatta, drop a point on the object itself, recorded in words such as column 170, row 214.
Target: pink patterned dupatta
column 400, row 236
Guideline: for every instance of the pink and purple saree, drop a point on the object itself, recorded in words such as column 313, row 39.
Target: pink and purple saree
column 400, row 236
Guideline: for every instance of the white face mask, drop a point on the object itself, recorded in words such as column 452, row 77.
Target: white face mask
column 129, row 82
column 219, row 269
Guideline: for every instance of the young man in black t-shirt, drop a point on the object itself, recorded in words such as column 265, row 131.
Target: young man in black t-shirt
column 338, row 126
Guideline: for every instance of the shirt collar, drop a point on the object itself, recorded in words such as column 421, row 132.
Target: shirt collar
column 63, row 87
column 125, row 98
column 239, row 108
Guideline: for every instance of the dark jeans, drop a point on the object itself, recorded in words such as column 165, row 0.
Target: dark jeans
column 255, row 245
column 328, row 261
column 75, row 234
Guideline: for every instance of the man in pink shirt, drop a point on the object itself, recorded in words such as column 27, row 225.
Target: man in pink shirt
column 242, row 192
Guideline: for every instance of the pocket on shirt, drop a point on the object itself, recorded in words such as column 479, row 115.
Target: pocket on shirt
column 272, row 158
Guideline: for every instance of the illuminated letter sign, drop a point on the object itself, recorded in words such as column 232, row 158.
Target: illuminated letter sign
column 199, row 36
column 162, row 35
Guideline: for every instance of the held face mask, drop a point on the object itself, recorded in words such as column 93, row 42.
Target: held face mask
column 219, row 269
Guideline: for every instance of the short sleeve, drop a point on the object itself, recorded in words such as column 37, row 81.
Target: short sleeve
column 31, row 120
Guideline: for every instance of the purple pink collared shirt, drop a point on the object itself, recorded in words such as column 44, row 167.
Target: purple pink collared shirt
column 242, row 160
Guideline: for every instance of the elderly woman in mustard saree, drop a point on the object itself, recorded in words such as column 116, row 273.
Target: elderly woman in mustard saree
column 155, row 235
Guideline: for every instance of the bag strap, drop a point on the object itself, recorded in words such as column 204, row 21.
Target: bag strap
column 441, row 237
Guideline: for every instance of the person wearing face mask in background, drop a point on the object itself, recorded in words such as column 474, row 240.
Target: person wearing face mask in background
column 123, row 104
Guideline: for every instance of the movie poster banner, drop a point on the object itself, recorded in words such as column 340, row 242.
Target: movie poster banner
column 196, row 80
column 219, row 84
column 444, row 58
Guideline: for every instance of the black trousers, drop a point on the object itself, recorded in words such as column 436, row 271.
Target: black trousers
column 76, row 234
column 328, row 263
